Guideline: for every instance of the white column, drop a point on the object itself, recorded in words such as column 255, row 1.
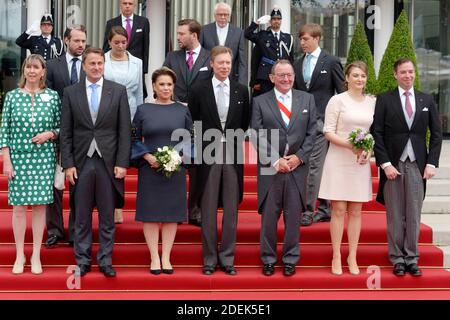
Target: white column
column 384, row 13
column 285, row 7
column 36, row 9
column 156, row 13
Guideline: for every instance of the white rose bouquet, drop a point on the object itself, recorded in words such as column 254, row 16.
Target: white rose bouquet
column 168, row 159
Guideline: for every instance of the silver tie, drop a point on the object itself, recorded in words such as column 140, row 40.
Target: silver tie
column 222, row 104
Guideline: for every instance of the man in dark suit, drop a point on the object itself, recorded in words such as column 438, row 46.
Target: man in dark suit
column 62, row 72
column 283, row 129
column 272, row 45
column 138, row 29
column 222, row 108
column 48, row 46
column 191, row 64
column 95, row 146
column 400, row 124
column 222, row 33
column 320, row 74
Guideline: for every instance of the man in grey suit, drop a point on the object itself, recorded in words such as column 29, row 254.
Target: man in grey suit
column 222, row 33
column 320, row 74
column 62, row 72
column 402, row 117
column 95, row 145
column 191, row 64
column 283, row 129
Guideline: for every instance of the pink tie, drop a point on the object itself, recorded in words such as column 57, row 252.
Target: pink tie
column 408, row 106
column 190, row 60
column 128, row 28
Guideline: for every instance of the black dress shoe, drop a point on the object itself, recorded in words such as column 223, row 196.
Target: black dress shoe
column 155, row 271
column 229, row 270
column 108, row 271
column 195, row 222
column 52, row 241
column 399, row 269
column 322, row 217
column 209, row 270
column 268, row 269
column 84, row 268
column 289, row 269
column 306, row 220
column 414, row 270
column 167, row 271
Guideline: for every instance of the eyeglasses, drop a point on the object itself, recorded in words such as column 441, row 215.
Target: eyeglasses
column 283, row 75
column 223, row 14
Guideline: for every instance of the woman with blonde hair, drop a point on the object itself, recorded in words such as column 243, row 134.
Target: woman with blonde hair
column 346, row 178
column 29, row 128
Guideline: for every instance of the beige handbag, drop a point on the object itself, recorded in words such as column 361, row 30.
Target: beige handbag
column 60, row 177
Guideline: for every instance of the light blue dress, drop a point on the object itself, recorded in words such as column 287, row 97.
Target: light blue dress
column 127, row 73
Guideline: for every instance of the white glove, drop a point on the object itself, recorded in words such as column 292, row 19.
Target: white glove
column 263, row 20
column 35, row 28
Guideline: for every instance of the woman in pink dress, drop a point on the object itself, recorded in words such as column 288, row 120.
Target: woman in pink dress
column 346, row 178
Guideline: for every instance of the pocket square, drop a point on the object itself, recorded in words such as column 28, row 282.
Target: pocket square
column 425, row 109
column 204, row 69
column 139, row 30
column 323, row 71
column 305, row 111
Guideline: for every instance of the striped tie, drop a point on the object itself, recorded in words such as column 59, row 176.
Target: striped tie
column 285, row 113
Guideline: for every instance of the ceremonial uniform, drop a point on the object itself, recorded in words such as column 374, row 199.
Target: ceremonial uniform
column 269, row 49
column 38, row 45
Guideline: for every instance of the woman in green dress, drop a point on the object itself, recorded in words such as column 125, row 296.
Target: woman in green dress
column 30, row 124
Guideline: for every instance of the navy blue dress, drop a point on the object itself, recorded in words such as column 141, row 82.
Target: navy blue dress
column 159, row 199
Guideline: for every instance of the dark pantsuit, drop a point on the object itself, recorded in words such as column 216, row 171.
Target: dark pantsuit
column 54, row 217
column 222, row 182
column 403, row 198
column 282, row 194
column 316, row 162
column 94, row 188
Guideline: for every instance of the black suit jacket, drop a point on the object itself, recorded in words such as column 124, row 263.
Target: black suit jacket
column 202, row 105
column 326, row 80
column 391, row 132
column 140, row 38
column 234, row 41
column 58, row 75
column 38, row 45
column 201, row 70
column 112, row 130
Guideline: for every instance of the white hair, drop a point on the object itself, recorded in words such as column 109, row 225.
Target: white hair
column 222, row 5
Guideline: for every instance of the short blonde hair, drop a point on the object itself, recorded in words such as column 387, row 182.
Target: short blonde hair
column 29, row 60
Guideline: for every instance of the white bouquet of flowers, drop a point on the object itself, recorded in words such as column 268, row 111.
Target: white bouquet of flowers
column 361, row 140
column 168, row 159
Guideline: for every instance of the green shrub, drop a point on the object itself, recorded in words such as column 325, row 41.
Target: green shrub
column 360, row 50
column 400, row 46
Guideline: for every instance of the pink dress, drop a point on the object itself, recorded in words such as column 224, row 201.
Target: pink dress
column 343, row 178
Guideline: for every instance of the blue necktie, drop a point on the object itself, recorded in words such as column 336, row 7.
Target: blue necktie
column 307, row 68
column 94, row 97
column 73, row 73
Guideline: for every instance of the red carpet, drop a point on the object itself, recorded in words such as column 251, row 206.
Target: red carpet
column 312, row 281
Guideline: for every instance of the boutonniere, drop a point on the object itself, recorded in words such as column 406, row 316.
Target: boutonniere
column 45, row 97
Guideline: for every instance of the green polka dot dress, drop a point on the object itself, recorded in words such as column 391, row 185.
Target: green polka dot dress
column 34, row 165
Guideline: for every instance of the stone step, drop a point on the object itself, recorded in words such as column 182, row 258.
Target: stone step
column 438, row 187
column 440, row 223
column 436, row 204
column 446, row 252
column 443, row 172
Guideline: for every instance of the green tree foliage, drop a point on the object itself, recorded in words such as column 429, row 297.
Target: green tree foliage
column 400, row 46
column 360, row 50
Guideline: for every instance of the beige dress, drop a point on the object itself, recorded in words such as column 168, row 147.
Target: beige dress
column 343, row 178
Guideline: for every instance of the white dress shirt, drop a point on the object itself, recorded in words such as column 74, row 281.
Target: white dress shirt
column 226, row 90
column 286, row 100
column 195, row 55
column 222, row 34
column 124, row 21
column 69, row 58
column 314, row 57
column 93, row 146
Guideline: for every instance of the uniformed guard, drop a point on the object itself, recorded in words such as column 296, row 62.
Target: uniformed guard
column 270, row 45
column 44, row 44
